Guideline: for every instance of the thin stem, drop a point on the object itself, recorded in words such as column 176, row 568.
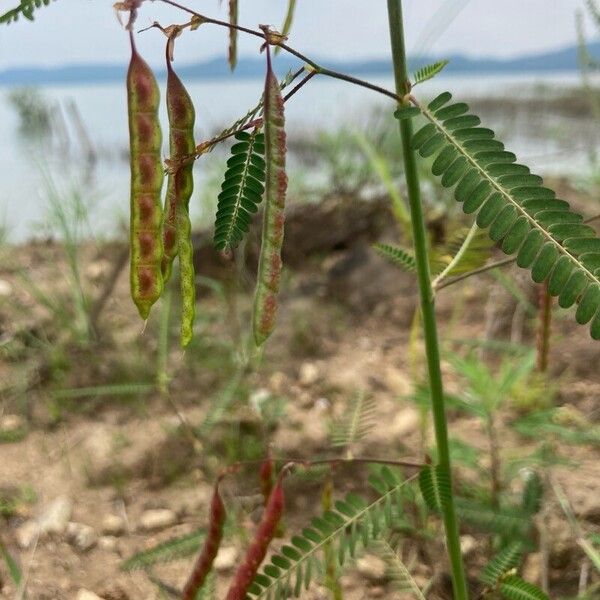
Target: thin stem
column 457, row 257
column 318, row 68
column 545, row 321
column 427, row 297
column 258, row 121
column 494, row 265
column 336, row 461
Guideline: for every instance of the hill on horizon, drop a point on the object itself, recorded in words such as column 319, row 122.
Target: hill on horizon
column 565, row 59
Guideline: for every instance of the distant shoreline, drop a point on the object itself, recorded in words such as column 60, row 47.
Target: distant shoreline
column 563, row 60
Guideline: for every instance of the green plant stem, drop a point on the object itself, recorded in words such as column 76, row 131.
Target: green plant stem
column 427, row 298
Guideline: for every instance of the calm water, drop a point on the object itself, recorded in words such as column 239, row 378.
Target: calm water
column 324, row 103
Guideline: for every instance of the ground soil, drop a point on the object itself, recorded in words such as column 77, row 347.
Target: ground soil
column 344, row 326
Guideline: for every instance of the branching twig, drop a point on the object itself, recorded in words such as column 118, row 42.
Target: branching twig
column 494, row 265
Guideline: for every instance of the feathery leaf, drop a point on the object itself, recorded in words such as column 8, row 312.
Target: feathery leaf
column 428, row 71
column 241, row 191
column 434, row 482
column 508, row 558
column 173, row 549
column 511, row 203
column 397, row 256
column 514, row 588
column 354, row 522
column 25, row 8
column 356, row 423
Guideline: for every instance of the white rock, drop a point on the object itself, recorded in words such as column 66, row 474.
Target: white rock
column 108, row 542
column 113, row 525
column 406, row 422
column 372, row 567
column 27, row 533
column 10, row 423
column 226, row 558
column 157, row 519
column 83, row 594
column 98, row 454
column 5, row 288
column 258, row 398
column 467, row 544
column 309, row 374
column 56, row 515
column 83, row 537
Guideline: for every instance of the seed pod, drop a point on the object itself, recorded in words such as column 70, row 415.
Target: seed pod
column 233, row 20
column 176, row 231
column 257, row 550
column 269, row 266
column 210, row 548
column 145, row 141
column 266, row 477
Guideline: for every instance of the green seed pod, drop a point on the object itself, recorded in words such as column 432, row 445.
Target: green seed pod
column 269, row 266
column 145, row 140
column 176, row 224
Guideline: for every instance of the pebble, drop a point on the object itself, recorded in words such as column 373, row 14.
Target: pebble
column 405, row 422
column 108, row 542
column 372, row 567
column 27, row 533
column 467, row 544
column 53, row 518
column 12, row 423
column 113, row 525
column 83, row 537
column 157, row 518
column 5, row 288
column 258, row 398
column 56, row 515
column 226, row 558
column 84, row 594
column 308, row 374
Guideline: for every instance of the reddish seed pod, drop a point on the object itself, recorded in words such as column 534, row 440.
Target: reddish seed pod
column 210, row 548
column 257, row 550
column 146, row 182
column 266, row 478
column 270, row 265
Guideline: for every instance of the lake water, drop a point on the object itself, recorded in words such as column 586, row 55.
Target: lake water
column 323, row 103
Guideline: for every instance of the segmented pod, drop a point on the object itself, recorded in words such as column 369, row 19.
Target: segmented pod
column 204, row 562
column 176, row 231
column 258, row 547
column 145, row 141
column 266, row 478
column 269, row 266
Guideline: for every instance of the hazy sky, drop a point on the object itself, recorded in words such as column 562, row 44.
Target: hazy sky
column 86, row 30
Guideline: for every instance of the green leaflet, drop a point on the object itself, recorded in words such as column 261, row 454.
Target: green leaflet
column 428, row 72
column 514, row 588
column 533, row 492
column 434, row 482
column 522, row 216
column 508, row 558
column 11, row 564
column 25, row 8
column 241, row 190
column 397, row 256
column 173, row 549
column 356, row 423
column 509, row 522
